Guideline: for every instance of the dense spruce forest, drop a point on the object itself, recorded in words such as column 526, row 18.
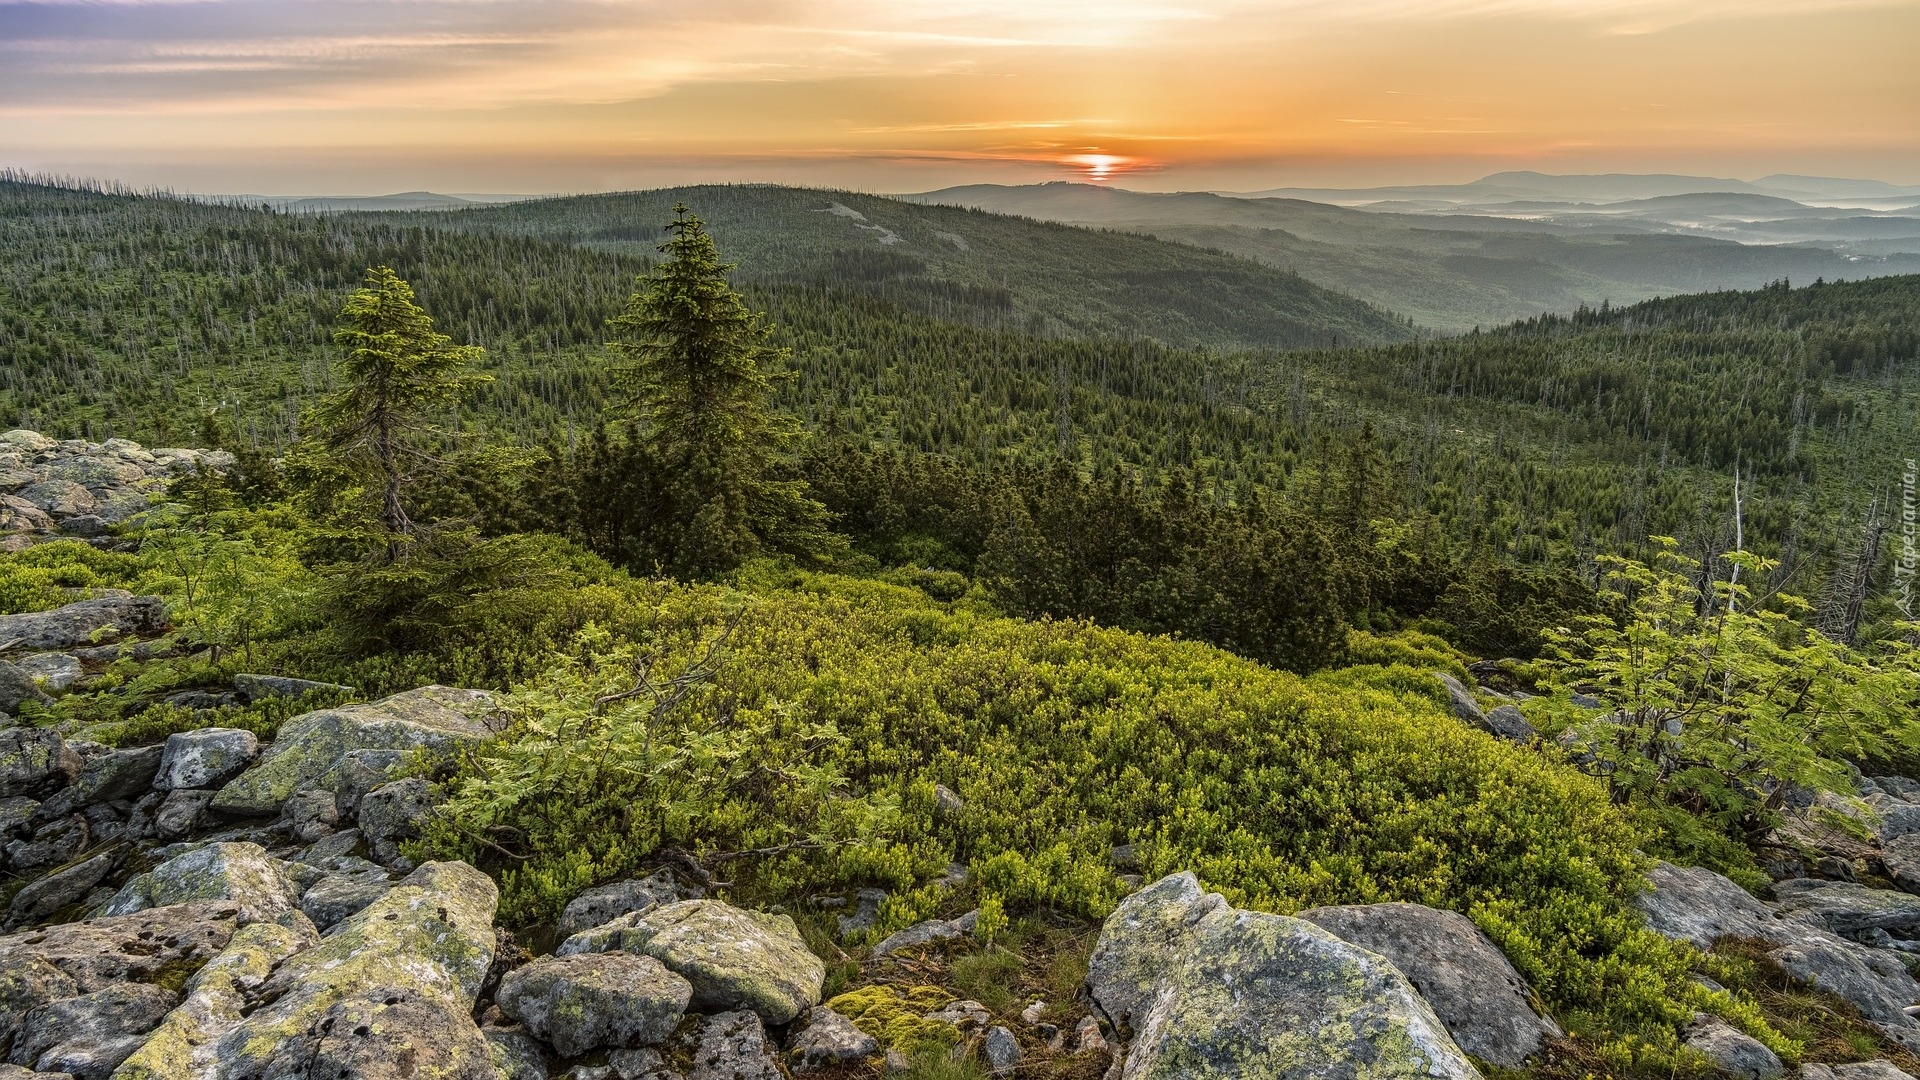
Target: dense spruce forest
column 859, row 575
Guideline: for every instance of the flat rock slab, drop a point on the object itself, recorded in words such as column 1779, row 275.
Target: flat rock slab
column 140, row 947
column 1460, row 972
column 436, row 718
column 1210, row 991
column 1850, row 910
column 1689, row 903
column 85, row 623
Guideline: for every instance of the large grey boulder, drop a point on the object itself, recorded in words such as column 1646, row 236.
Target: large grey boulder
column 1732, row 1051
column 388, row 993
column 1901, row 856
column 179, row 813
column 1463, row 975
column 206, row 758
column 1689, row 903
column 433, row 718
column 603, row 904
column 115, row 775
column 828, row 1040
column 35, row 762
column 595, row 1000
column 60, row 498
column 53, row 671
column 90, row 1035
column 87, row 622
column 1210, row 991
column 734, row 958
column 1850, row 910
column 217, row 998
column 241, row 872
column 142, row 947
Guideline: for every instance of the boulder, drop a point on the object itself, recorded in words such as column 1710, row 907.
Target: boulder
column 866, row 913
column 179, row 813
column 17, row 516
column 54, row 671
column 601, row 905
column 35, row 762
column 1210, row 991
column 1850, row 910
column 117, row 775
column 734, row 958
column 828, row 1040
column 1901, row 857
column 358, row 772
column 1697, row 905
column 733, row 1046
column 18, row 687
column 1509, row 723
column 387, row 994
column 919, row 935
column 206, row 758
column 261, row 687
column 1732, row 1051
column 217, row 998
column 434, row 718
column 517, row 1054
column 90, row 1035
column 241, row 872
column 17, row 814
column 595, row 1000
column 1874, row 980
column 394, row 811
column 1460, row 699
column 309, row 815
column 26, row 983
column 51, row 844
column 1462, row 975
column 50, row 894
column 85, row 623
column 141, row 947
column 59, row 498
column 337, row 896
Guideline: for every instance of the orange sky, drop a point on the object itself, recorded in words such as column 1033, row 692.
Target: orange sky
column 345, row 96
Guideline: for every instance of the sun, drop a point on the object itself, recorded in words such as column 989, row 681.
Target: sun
column 1100, row 168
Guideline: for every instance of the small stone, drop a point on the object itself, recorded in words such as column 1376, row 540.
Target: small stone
column 897, row 1062
column 1032, row 1013
column 829, row 1039
column 865, row 915
column 596, row 1000
column 206, row 758
column 1001, row 1049
column 1087, row 1037
column 946, row 800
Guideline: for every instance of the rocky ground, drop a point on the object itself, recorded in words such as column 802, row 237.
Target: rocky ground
column 77, row 488
column 214, row 906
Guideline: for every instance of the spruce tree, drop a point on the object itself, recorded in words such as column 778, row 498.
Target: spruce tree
column 397, row 376
column 699, row 376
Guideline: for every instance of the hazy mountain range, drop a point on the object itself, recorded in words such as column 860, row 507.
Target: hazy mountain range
column 1452, row 257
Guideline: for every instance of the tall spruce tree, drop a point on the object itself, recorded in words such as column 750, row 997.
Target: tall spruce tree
column 396, row 377
column 699, row 375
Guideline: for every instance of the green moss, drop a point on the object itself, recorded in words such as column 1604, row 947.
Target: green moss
column 897, row 1016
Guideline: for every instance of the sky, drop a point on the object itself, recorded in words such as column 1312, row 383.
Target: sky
column 375, row 96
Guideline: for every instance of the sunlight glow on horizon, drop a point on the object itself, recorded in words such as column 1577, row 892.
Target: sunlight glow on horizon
column 299, row 96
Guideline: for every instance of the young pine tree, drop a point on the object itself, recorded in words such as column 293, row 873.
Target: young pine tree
column 699, row 374
column 397, row 376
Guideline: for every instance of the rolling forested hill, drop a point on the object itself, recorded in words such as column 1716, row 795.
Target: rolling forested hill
column 1548, row 440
